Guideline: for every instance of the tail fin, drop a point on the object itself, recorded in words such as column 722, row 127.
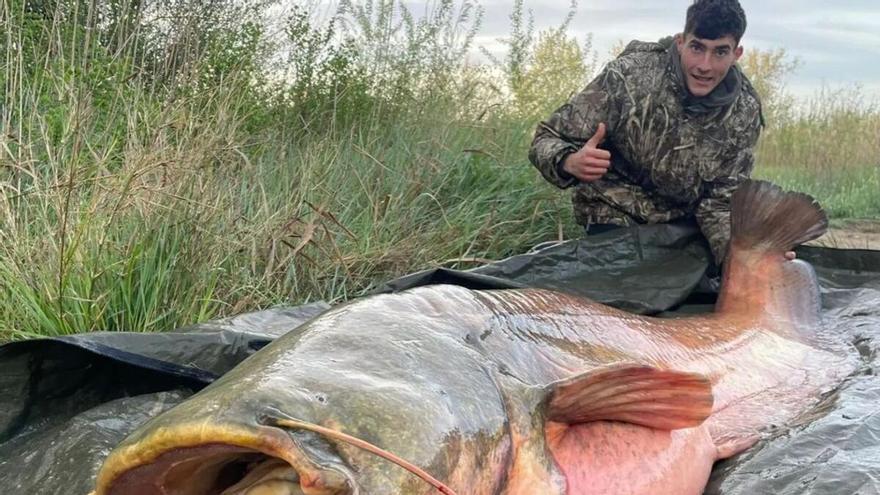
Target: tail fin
column 766, row 218
column 766, row 222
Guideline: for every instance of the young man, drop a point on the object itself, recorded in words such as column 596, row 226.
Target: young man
column 666, row 132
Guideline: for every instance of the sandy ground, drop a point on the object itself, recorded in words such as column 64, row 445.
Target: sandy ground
column 856, row 234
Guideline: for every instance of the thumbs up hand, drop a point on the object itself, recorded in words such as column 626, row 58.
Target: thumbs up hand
column 589, row 163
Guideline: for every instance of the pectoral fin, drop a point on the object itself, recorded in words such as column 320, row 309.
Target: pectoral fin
column 638, row 394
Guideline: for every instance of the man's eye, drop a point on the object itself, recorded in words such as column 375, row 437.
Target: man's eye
column 722, row 53
column 696, row 48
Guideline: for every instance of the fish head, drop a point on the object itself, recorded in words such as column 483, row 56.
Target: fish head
column 272, row 424
column 199, row 449
column 202, row 448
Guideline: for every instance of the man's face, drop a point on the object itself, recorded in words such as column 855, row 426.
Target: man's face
column 706, row 62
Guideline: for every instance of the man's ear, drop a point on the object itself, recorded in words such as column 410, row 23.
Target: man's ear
column 738, row 52
column 679, row 40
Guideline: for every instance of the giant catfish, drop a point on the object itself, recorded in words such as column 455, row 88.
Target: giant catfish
column 509, row 391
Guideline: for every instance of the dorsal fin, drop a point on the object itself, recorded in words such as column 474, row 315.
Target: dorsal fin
column 632, row 393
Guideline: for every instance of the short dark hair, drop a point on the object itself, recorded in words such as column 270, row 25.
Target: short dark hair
column 713, row 19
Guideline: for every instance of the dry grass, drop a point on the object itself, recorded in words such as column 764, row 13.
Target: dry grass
column 145, row 186
column 830, row 131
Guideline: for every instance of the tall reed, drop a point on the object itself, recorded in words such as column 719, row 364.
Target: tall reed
column 162, row 163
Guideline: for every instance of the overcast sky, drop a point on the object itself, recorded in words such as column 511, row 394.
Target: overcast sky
column 838, row 43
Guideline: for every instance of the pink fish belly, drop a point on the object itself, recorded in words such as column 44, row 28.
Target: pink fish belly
column 611, row 458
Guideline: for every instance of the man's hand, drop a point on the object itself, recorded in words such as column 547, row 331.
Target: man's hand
column 589, row 163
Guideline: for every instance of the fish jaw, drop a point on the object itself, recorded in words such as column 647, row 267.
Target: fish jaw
column 199, row 458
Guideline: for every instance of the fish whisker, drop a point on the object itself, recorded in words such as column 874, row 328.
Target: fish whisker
column 362, row 444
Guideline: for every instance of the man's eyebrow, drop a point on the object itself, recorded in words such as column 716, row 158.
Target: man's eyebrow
column 696, row 42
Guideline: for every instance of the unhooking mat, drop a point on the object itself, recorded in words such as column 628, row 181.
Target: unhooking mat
column 65, row 402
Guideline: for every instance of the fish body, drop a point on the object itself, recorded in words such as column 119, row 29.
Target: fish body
column 510, row 392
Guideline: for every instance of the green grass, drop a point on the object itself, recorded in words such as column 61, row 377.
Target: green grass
column 846, row 193
column 141, row 192
column 150, row 249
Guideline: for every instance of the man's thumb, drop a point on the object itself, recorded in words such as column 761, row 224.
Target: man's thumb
column 597, row 138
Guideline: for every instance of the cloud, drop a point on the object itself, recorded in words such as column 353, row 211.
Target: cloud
column 836, row 45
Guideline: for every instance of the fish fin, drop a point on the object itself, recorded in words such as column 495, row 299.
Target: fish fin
column 765, row 218
column 638, row 394
column 765, row 222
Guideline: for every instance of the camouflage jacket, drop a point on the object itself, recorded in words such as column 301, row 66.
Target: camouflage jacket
column 666, row 163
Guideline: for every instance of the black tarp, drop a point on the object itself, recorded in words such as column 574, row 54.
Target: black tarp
column 65, row 402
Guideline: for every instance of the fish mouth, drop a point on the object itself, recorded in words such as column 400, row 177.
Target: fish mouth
column 209, row 460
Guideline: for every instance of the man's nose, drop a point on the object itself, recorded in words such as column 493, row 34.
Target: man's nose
column 704, row 63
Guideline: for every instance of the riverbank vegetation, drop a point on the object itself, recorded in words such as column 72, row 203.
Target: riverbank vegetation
column 162, row 163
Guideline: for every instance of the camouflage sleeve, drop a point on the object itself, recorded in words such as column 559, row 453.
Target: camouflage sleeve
column 713, row 211
column 569, row 128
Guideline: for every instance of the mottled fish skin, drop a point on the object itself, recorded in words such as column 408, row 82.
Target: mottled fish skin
column 442, row 377
column 480, row 388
